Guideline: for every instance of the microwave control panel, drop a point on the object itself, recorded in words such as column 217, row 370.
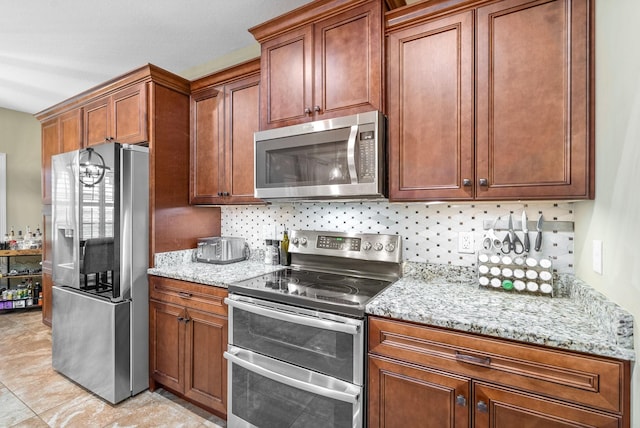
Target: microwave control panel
column 367, row 155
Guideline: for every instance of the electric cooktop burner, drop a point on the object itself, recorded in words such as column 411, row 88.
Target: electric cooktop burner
column 336, row 272
column 316, row 290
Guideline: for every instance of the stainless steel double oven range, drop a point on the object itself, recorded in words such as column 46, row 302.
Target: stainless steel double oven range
column 297, row 337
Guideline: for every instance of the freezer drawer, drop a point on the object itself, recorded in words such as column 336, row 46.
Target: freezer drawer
column 91, row 343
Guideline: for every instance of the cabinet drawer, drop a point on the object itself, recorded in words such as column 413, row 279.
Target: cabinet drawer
column 197, row 296
column 588, row 380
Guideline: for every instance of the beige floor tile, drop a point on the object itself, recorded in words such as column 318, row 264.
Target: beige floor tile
column 84, row 411
column 12, row 410
column 159, row 413
column 44, row 390
column 34, row 422
column 37, row 396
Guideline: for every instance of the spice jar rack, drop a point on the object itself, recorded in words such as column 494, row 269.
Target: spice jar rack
column 517, row 274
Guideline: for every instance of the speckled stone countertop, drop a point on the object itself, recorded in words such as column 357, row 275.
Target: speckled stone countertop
column 577, row 318
column 580, row 319
column 181, row 265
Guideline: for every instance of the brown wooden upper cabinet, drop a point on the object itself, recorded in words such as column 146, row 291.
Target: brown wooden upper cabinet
column 491, row 100
column 121, row 117
column 225, row 113
column 60, row 134
column 320, row 61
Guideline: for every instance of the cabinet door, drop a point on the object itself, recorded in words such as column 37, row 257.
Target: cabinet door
column 242, row 102
column 71, row 130
column 97, row 119
column 430, row 111
column 205, row 367
column 348, row 62
column 207, row 113
column 502, row 408
column 402, row 395
column 166, row 344
column 287, row 79
column 130, row 115
column 533, row 121
column 50, row 147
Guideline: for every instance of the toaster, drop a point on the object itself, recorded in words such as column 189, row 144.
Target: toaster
column 222, row 250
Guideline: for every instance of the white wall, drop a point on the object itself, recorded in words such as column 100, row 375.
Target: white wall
column 20, row 140
column 614, row 215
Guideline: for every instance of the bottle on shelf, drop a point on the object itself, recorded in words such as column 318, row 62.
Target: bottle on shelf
column 285, row 256
column 20, row 241
column 12, row 239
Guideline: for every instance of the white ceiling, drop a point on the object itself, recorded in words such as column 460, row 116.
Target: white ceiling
column 51, row 50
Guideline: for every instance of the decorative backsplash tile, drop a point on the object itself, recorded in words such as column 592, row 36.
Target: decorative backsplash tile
column 429, row 231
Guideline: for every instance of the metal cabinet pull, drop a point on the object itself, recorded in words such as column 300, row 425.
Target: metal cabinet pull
column 185, row 295
column 180, row 319
column 316, row 109
column 307, row 110
column 461, row 401
column 484, row 361
column 484, row 182
column 466, row 182
column 482, row 407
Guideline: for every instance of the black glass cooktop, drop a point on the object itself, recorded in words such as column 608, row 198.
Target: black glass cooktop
column 337, row 293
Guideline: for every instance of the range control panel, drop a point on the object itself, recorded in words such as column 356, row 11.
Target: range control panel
column 366, row 246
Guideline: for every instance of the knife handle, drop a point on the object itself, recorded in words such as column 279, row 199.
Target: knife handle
column 538, row 240
column 527, row 243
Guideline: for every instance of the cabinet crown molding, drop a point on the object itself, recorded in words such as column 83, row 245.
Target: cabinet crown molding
column 227, row 75
column 311, row 12
column 147, row 72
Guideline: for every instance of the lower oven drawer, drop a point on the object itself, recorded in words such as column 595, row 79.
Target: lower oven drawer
column 264, row 392
column 326, row 343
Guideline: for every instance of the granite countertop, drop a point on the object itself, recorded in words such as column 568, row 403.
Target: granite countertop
column 180, row 265
column 577, row 318
column 581, row 319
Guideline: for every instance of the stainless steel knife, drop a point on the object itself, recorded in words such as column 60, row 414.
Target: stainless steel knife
column 525, row 230
column 539, row 236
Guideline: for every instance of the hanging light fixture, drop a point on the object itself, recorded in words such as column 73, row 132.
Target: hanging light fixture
column 92, row 167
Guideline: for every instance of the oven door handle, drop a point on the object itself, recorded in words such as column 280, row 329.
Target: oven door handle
column 293, row 318
column 351, row 154
column 347, row 397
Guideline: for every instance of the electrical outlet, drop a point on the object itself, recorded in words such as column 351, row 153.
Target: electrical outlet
column 597, row 256
column 465, row 242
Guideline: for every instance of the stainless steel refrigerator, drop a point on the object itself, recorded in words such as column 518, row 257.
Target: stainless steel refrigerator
column 100, row 258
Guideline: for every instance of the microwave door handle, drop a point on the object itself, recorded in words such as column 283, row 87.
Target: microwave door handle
column 293, row 318
column 280, row 378
column 351, row 154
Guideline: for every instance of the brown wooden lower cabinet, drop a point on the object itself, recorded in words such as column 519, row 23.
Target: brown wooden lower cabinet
column 429, row 377
column 402, row 395
column 187, row 336
column 498, row 407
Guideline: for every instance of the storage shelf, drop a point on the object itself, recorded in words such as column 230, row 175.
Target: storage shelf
column 8, row 280
column 21, row 276
column 13, row 253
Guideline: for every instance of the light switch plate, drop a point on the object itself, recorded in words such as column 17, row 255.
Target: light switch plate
column 597, row 256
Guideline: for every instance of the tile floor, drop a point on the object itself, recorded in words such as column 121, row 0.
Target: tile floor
column 32, row 394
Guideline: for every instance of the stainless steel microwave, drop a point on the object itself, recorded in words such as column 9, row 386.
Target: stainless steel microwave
column 334, row 158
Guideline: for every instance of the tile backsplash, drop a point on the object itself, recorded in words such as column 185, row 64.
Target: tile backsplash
column 429, row 231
